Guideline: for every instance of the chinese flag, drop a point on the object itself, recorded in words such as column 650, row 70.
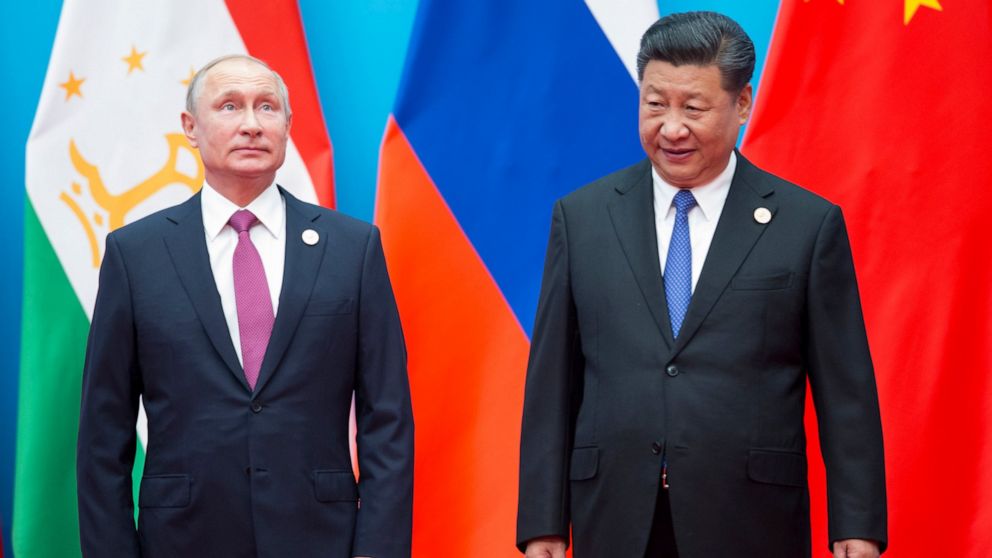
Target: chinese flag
column 885, row 108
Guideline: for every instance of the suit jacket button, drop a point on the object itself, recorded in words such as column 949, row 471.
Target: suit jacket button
column 655, row 448
column 256, row 407
column 672, row 370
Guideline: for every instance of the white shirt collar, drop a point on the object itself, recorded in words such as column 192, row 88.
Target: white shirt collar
column 709, row 197
column 217, row 210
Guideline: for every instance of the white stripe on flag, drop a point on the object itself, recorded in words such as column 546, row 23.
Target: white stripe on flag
column 117, row 117
column 99, row 154
column 623, row 22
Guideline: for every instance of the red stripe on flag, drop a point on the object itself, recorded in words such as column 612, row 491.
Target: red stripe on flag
column 889, row 119
column 273, row 31
column 467, row 361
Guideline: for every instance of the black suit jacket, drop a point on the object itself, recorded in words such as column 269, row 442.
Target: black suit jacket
column 233, row 472
column 610, row 394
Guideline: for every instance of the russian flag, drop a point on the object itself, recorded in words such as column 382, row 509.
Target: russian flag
column 503, row 108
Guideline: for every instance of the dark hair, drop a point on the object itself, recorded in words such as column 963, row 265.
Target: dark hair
column 700, row 38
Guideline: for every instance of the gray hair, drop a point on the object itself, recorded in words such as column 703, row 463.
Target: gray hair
column 700, row 38
column 196, row 84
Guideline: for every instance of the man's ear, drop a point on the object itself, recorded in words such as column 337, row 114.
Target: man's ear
column 745, row 101
column 189, row 127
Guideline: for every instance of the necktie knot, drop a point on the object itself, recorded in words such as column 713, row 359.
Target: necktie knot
column 684, row 201
column 242, row 220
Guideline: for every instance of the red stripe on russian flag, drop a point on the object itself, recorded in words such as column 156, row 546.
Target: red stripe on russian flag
column 467, row 361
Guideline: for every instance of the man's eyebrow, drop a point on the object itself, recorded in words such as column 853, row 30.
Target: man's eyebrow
column 692, row 94
column 267, row 94
column 228, row 93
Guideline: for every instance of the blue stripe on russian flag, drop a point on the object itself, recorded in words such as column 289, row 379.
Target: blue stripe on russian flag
column 510, row 105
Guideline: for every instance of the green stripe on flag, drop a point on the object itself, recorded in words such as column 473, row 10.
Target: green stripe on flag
column 53, row 344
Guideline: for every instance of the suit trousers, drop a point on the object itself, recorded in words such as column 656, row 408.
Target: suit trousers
column 661, row 542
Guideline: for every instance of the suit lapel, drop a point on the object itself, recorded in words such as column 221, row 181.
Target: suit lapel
column 188, row 249
column 299, row 275
column 735, row 235
column 632, row 213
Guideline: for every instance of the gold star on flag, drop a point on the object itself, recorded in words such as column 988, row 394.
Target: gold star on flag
column 73, row 86
column 187, row 81
column 913, row 5
column 134, row 60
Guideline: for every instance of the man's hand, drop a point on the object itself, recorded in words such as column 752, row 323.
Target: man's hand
column 855, row 548
column 545, row 547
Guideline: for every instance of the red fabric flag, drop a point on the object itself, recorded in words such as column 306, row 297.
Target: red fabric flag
column 883, row 108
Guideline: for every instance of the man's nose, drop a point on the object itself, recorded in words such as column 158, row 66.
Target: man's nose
column 673, row 128
column 250, row 124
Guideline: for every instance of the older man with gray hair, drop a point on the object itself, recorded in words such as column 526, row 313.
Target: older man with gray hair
column 246, row 321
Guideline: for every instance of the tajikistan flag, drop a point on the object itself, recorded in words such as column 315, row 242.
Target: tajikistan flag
column 106, row 149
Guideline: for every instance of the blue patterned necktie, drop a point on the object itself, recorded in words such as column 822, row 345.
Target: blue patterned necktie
column 678, row 265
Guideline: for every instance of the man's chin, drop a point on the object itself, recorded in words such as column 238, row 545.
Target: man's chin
column 253, row 171
column 680, row 176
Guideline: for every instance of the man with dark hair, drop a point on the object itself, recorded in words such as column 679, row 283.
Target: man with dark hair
column 686, row 301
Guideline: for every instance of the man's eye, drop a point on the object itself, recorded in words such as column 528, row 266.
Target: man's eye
column 267, row 107
column 227, row 106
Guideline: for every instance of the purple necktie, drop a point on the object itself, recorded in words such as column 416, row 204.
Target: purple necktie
column 251, row 291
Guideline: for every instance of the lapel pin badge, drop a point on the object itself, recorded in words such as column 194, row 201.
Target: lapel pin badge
column 310, row 237
column 762, row 215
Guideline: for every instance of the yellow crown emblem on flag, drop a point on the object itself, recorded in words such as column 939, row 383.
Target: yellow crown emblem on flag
column 114, row 208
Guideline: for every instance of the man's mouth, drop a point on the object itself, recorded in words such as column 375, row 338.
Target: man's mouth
column 677, row 154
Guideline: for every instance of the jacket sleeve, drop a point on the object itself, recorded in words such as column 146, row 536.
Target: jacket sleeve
column 842, row 380
column 109, row 411
column 384, row 417
column 553, row 373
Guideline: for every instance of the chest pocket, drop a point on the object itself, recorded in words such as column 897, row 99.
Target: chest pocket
column 762, row 282
column 330, row 307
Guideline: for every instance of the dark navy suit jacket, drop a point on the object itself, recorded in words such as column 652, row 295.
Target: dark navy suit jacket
column 610, row 394
column 229, row 471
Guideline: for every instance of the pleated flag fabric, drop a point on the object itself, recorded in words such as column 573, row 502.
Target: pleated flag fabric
column 503, row 107
column 883, row 107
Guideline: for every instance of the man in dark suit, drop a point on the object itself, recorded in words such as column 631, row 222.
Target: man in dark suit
column 245, row 320
column 663, row 413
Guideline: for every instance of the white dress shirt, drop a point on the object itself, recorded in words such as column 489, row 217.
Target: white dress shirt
column 702, row 218
column 268, row 236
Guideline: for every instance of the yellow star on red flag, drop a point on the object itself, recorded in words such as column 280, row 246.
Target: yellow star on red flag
column 913, row 5
column 73, row 86
column 134, row 60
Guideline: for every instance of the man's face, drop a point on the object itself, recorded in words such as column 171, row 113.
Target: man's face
column 240, row 124
column 688, row 122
